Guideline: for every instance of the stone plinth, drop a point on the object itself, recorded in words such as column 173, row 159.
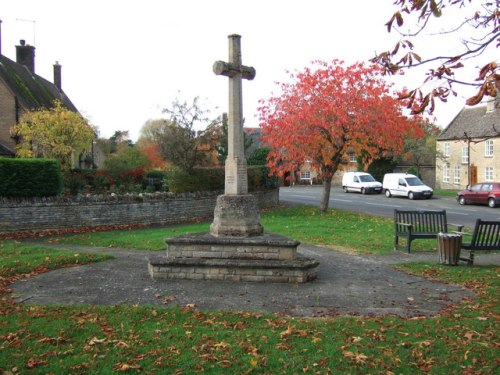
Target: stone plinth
column 236, row 215
column 266, row 258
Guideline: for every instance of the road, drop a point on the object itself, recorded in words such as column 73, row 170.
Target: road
column 380, row 205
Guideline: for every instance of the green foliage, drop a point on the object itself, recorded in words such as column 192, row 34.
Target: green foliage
column 413, row 170
column 212, row 179
column 223, row 141
column 155, row 181
column 380, row 167
column 125, row 159
column 258, row 156
column 56, row 133
column 102, row 181
column 30, row 177
column 258, row 178
column 178, row 139
column 199, row 179
column 74, row 182
column 132, row 179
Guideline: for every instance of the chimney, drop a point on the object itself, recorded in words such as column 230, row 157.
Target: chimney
column 57, row 76
column 25, row 55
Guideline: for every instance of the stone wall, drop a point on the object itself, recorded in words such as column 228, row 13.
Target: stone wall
column 111, row 210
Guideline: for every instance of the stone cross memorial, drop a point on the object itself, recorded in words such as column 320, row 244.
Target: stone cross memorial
column 236, row 212
column 236, row 249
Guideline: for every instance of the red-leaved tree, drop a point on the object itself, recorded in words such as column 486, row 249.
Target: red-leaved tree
column 152, row 152
column 328, row 111
column 475, row 25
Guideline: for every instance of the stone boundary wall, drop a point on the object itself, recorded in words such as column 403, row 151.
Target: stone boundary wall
column 113, row 210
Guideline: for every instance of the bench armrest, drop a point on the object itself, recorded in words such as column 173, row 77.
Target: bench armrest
column 405, row 224
column 462, row 233
column 458, row 226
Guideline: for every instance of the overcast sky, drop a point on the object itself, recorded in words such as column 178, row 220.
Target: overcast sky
column 124, row 60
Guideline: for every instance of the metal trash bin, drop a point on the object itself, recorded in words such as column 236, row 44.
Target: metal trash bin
column 449, row 246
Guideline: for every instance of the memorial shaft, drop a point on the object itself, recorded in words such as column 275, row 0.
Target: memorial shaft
column 236, row 180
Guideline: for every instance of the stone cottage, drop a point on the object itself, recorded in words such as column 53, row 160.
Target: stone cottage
column 22, row 90
column 469, row 147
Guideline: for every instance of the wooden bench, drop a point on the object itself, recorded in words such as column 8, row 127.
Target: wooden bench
column 486, row 236
column 413, row 225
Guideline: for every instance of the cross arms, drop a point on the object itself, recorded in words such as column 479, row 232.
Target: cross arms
column 232, row 70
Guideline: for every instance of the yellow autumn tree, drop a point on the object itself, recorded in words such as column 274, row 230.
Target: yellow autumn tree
column 55, row 132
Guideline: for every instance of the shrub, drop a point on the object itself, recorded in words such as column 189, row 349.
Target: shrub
column 132, row 177
column 74, row 182
column 212, row 179
column 30, row 177
column 181, row 181
column 155, row 181
column 258, row 156
column 102, row 181
column 258, row 178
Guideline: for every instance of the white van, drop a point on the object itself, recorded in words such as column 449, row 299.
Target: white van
column 361, row 182
column 405, row 185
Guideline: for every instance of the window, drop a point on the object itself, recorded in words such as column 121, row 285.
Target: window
column 306, row 175
column 352, row 157
column 488, row 148
column 446, row 173
column 476, row 187
column 465, row 154
column 446, row 149
column 456, row 174
column 487, row 187
column 488, row 174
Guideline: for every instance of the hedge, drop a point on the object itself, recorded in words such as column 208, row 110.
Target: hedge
column 212, row 179
column 30, row 177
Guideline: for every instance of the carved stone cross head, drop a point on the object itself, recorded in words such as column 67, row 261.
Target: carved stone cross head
column 233, row 67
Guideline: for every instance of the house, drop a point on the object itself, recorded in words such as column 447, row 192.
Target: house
column 22, row 90
column 469, row 147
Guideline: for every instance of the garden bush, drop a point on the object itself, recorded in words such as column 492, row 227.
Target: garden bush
column 198, row 179
column 212, row 179
column 30, row 177
column 155, row 181
column 102, row 181
column 258, row 178
column 75, row 182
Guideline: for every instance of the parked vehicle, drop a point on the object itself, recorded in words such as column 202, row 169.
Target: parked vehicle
column 361, row 182
column 482, row 193
column 405, row 185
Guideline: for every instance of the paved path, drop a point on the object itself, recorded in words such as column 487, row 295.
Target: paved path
column 346, row 284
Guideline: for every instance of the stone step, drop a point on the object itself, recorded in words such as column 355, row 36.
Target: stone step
column 298, row 270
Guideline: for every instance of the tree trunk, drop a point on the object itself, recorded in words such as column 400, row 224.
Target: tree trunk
column 325, row 199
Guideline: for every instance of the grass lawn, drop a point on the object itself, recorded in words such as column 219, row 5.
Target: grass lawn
column 173, row 340
column 334, row 228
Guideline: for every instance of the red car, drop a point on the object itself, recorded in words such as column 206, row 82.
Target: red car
column 482, row 193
